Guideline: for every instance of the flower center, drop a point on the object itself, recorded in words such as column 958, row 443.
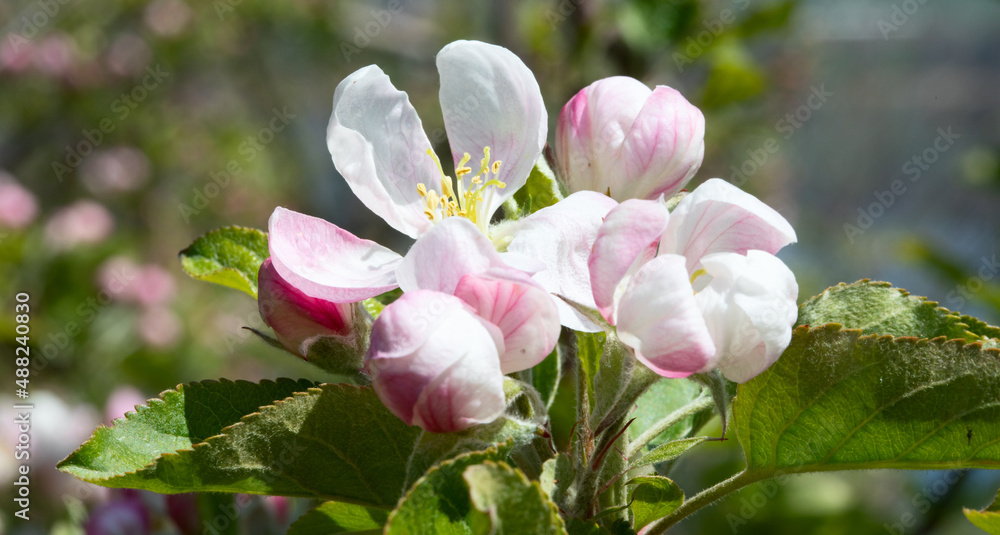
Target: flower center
column 471, row 202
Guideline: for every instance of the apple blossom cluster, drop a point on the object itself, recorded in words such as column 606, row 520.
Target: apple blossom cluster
column 689, row 283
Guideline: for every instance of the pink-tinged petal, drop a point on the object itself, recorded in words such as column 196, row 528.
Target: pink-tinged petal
column 617, row 135
column 718, row 217
column 489, row 98
column 324, row 261
column 665, row 146
column 561, row 237
column 440, row 258
column 524, row 312
column 749, row 307
column 378, row 144
column 659, row 318
column 434, row 363
column 627, row 239
column 296, row 318
column 591, row 129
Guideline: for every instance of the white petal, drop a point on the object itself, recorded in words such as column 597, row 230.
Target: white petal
column 379, row 146
column 561, row 237
column 749, row 307
column 325, row 261
column 440, row 258
column 490, row 99
column 718, row 217
column 627, row 239
column 658, row 317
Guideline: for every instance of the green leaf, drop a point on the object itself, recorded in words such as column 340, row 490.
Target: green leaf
column 439, row 501
column 660, row 400
column 339, row 517
column 837, row 400
column 557, row 478
column 513, row 504
column 545, row 377
column 722, row 391
column 878, row 308
column 230, row 256
column 581, row 527
column 540, row 191
column 614, row 372
column 667, row 452
column 335, row 442
column 988, row 519
column 514, row 425
column 375, row 305
column 654, row 497
column 590, row 346
column 182, row 417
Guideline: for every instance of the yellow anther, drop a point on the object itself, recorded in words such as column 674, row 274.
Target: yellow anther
column 463, row 198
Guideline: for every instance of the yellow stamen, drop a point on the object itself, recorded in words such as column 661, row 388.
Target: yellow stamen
column 468, row 201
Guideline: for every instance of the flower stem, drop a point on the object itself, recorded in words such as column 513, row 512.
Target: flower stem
column 703, row 499
column 701, row 403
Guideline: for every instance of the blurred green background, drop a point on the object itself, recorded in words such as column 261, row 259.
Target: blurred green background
column 127, row 129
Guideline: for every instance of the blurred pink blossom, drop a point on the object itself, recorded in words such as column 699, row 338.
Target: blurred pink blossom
column 159, row 327
column 167, row 17
column 55, row 54
column 115, row 276
column 128, row 55
column 126, row 514
column 115, row 170
column 152, row 286
column 18, row 207
column 81, row 223
column 16, row 54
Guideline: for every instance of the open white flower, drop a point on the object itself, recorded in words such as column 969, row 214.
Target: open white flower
column 496, row 125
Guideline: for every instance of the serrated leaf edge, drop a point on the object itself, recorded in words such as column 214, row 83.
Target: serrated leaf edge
column 961, row 320
column 409, row 492
column 224, row 431
column 553, row 509
column 940, row 341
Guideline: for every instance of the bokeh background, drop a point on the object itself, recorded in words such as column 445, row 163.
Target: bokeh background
column 128, row 128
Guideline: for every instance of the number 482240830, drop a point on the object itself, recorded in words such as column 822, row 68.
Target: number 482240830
column 22, row 329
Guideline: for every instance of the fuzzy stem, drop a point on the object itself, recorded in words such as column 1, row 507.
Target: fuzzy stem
column 703, row 499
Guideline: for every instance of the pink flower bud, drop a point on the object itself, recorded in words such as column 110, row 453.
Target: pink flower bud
column 617, row 135
column 435, row 363
column 297, row 319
